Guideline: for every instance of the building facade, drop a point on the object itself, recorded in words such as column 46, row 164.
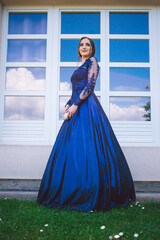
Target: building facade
column 38, row 54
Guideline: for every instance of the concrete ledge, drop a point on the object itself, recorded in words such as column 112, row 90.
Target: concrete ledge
column 21, row 195
column 33, row 185
column 19, row 185
column 28, row 189
column 142, row 196
column 32, row 195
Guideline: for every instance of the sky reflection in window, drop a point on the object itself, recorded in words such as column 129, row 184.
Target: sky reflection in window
column 130, row 108
column 129, row 79
column 27, row 23
column 24, row 108
column 26, row 51
column 129, row 50
column 80, row 23
column 25, row 78
column 128, row 23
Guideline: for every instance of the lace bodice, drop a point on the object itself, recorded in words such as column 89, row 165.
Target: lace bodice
column 83, row 81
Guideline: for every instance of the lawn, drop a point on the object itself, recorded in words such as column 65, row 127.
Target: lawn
column 28, row 220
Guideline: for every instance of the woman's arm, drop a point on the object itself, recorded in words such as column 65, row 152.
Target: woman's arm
column 92, row 76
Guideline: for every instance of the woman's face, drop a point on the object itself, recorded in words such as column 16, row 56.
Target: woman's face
column 85, row 48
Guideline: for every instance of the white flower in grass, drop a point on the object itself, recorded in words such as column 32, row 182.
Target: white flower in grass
column 120, row 234
column 6, row 198
column 136, row 235
column 41, row 230
column 110, row 237
column 91, row 210
column 131, row 206
column 143, row 207
column 102, row 227
column 116, row 236
column 46, row 225
column 137, row 203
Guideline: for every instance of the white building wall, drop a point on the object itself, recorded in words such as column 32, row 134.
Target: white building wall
column 0, row 25
column 28, row 162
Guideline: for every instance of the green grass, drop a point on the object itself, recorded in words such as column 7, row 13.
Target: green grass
column 24, row 219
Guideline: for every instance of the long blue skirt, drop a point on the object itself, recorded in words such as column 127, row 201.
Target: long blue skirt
column 87, row 169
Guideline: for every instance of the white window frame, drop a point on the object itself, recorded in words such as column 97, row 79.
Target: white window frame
column 148, row 133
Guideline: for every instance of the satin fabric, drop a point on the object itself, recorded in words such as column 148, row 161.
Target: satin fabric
column 86, row 169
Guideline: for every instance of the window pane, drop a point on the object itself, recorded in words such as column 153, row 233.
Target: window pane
column 130, row 108
column 80, row 23
column 129, row 50
column 65, row 79
column 129, row 79
column 25, row 78
column 128, row 23
column 26, row 51
column 69, row 50
column 62, row 102
column 24, row 108
column 65, row 76
column 27, row 23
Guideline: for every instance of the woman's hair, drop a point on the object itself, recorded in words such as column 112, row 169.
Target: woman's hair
column 92, row 45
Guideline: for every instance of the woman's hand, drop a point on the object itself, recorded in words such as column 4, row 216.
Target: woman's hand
column 71, row 110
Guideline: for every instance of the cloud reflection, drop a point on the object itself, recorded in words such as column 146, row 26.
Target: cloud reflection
column 23, row 79
column 65, row 86
column 24, row 108
column 129, row 113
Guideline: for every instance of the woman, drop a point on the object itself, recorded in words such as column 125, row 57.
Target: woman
column 87, row 169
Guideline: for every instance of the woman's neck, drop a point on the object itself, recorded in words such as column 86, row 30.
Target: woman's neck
column 84, row 59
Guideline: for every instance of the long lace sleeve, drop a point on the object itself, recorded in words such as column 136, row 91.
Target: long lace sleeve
column 93, row 70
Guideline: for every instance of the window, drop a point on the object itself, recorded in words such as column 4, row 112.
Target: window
column 24, row 82
column 125, row 50
column 129, row 75
column 22, row 105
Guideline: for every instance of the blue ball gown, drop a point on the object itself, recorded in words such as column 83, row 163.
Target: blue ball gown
column 87, row 169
